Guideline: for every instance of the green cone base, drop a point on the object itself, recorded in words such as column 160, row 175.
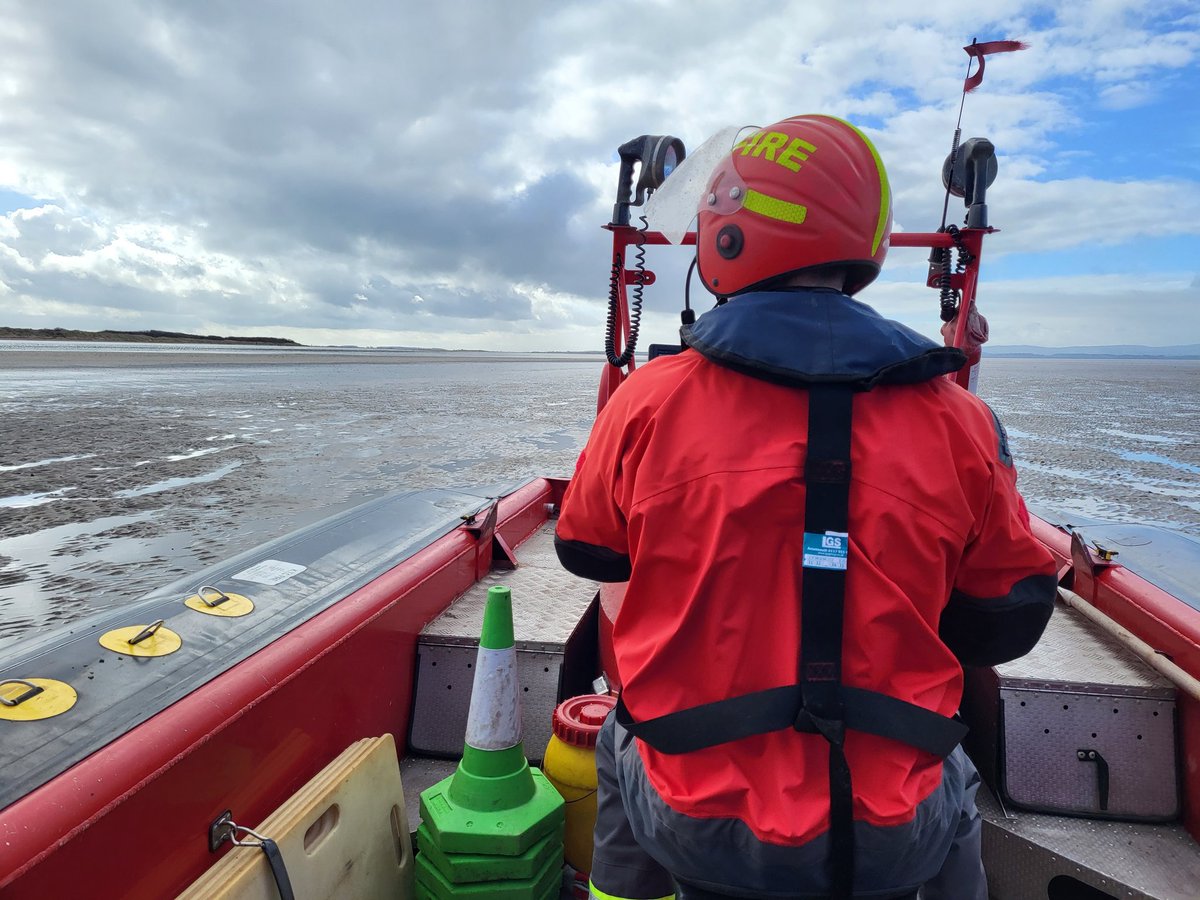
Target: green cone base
column 432, row 885
column 498, row 831
column 463, row 868
column 489, row 780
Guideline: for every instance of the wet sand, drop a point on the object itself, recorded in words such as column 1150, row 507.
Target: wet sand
column 121, row 471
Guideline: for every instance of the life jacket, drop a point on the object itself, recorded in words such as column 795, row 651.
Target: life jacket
column 834, row 347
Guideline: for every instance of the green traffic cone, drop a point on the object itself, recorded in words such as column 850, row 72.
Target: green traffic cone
column 494, row 773
column 495, row 804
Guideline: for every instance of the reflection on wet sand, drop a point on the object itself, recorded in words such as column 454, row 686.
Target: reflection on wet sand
column 116, row 479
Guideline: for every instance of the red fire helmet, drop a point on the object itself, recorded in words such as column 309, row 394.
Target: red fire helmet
column 807, row 192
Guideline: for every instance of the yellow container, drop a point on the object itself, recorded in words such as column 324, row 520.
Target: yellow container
column 570, row 764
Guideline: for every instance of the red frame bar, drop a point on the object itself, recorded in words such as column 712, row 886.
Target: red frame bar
column 626, row 235
column 972, row 240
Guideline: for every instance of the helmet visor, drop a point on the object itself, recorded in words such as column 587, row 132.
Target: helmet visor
column 672, row 208
column 726, row 191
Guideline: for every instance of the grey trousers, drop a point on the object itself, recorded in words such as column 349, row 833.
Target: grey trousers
column 644, row 849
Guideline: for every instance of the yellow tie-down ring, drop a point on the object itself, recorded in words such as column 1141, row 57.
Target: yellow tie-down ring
column 215, row 602
column 142, row 640
column 30, row 699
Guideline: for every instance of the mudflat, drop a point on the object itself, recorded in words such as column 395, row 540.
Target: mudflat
column 120, row 471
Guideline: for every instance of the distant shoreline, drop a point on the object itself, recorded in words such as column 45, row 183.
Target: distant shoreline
column 389, row 353
column 102, row 357
column 136, row 337
column 1099, row 351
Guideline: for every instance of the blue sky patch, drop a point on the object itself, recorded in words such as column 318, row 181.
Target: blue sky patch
column 11, row 200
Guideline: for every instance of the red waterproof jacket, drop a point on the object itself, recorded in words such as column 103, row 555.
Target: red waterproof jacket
column 691, row 485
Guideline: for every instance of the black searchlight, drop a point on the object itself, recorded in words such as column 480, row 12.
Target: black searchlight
column 659, row 155
column 967, row 173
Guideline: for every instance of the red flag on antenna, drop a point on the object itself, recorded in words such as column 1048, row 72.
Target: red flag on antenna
column 979, row 51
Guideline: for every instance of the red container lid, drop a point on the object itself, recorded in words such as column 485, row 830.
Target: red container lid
column 577, row 721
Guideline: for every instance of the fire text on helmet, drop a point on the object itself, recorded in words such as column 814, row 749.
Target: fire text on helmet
column 776, row 147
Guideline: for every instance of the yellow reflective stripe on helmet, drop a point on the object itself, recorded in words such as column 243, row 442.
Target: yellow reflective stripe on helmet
column 600, row 895
column 774, row 208
column 885, row 189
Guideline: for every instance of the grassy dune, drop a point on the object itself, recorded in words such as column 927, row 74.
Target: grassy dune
column 136, row 337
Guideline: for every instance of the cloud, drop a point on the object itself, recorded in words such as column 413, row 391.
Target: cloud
column 1054, row 215
column 1126, row 95
column 1075, row 310
column 283, row 166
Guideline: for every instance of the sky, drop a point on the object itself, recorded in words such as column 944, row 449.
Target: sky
column 438, row 174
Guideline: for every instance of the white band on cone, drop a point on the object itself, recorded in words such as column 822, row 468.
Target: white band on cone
column 494, row 722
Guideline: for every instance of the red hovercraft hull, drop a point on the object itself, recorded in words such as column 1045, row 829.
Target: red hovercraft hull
column 131, row 820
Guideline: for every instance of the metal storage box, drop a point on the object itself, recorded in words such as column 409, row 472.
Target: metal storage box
column 554, row 623
column 1078, row 726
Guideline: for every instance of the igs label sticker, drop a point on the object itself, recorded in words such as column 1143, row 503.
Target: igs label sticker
column 826, row 551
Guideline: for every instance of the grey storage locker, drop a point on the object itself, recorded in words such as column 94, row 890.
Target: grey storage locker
column 1079, row 726
column 551, row 609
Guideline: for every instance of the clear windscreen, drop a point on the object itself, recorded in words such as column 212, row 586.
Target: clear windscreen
column 672, row 208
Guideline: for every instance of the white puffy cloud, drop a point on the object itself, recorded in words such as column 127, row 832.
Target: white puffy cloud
column 437, row 175
column 1080, row 310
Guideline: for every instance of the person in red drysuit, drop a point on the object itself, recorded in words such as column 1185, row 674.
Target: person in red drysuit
column 818, row 531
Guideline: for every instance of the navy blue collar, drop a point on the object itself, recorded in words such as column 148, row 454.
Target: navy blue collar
column 816, row 335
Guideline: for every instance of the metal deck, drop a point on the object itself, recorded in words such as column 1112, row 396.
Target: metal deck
column 1075, row 652
column 548, row 601
column 1023, row 852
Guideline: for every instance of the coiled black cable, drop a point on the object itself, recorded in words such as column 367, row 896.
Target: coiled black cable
column 635, row 305
column 950, row 296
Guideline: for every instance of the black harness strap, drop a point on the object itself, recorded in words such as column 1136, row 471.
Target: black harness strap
column 822, row 607
column 700, row 727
